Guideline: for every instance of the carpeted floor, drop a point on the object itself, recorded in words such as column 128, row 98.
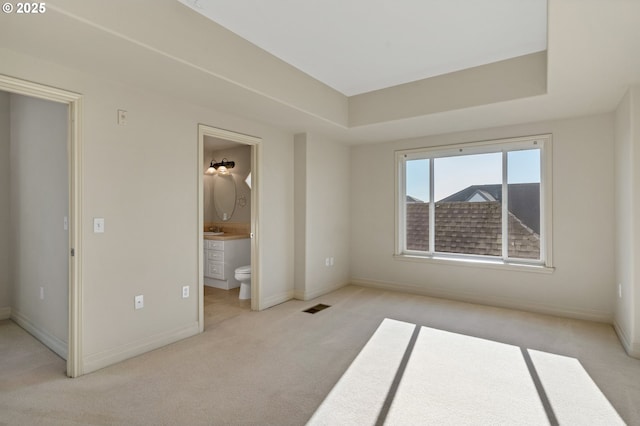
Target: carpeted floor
column 276, row 367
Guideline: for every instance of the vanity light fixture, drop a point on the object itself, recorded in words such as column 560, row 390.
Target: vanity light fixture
column 221, row 167
column 211, row 170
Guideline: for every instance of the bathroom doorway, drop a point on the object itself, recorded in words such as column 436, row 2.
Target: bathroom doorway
column 227, row 223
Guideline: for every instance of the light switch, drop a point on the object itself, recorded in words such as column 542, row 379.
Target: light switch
column 122, row 117
column 98, row 225
column 139, row 301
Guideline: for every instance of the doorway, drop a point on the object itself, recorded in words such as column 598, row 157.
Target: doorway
column 227, row 165
column 62, row 334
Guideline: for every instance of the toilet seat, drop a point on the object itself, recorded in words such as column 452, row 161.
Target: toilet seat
column 243, row 269
column 243, row 274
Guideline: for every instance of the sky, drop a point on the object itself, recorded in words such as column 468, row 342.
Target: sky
column 452, row 174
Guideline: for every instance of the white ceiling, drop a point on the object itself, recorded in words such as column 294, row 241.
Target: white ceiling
column 357, row 46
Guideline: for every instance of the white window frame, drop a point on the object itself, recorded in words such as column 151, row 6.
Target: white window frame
column 543, row 142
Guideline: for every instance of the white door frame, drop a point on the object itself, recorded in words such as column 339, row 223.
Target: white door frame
column 74, row 157
column 204, row 130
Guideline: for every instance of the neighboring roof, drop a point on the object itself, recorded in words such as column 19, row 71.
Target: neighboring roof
column 470, row 228
column 524, row 200
column 481, row 195
column 411, row 199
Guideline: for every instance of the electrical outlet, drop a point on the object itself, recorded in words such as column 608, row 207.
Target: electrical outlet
column 139, row 301
column 185, row 291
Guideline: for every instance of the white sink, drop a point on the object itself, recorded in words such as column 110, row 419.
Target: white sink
column 209, row 234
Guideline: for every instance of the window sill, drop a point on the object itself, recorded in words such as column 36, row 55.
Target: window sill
column 476, row 263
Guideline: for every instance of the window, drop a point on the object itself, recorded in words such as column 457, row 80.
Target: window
column 485, row 201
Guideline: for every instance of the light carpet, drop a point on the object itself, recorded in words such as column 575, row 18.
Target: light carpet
column 412, row 375
column 277, row 367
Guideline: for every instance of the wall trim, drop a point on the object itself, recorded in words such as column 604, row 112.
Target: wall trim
column 5, row 313
column 632, row 349
column 112, row 356
column 54, row 343
column 276, row 299
column 308, row 295
column 501, row 302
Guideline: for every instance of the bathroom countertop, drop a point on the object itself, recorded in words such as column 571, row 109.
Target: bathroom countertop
column 225, row 237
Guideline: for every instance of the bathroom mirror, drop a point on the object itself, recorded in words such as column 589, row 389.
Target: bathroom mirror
column 224, row 196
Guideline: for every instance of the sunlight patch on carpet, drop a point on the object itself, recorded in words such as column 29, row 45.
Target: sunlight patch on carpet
column 407, row 374
column 574, row 396
column 360, row 393
column 456, row 379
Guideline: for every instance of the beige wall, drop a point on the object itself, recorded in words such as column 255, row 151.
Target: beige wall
column 142, row 178
column 180, row 50
column 242, row 157
column 514, row 78
column 322, row 215
column 39, row 203
column 583, row 223
column 4, row 206
column 627, row 203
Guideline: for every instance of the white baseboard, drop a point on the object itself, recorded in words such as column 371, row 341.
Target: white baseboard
column 502, row 302
column 308, row 295
column 632, row 348
column 276, row 299
column 108, row 357
column 5, row 313
column 54, row 343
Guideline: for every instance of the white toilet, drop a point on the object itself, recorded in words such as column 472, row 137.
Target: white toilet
column 243, row 274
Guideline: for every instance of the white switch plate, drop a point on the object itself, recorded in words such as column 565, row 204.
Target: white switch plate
column 41, row 293
column 98, row 225
column 185, row 292
column 65, row 224
column 139, row 301
column 122, row 117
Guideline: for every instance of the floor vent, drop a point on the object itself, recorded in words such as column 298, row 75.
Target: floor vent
column 317, row 308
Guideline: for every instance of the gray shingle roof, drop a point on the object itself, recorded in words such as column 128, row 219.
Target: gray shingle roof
column 470, row 228
column 524, row 200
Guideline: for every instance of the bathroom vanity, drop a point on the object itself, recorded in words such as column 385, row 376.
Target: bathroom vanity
column 222, row 255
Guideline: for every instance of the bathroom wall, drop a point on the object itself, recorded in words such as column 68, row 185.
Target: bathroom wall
column 5, row 277
column 242, row 157
column 39, row 203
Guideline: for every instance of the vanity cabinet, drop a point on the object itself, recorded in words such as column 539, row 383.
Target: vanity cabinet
column 221, row 258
